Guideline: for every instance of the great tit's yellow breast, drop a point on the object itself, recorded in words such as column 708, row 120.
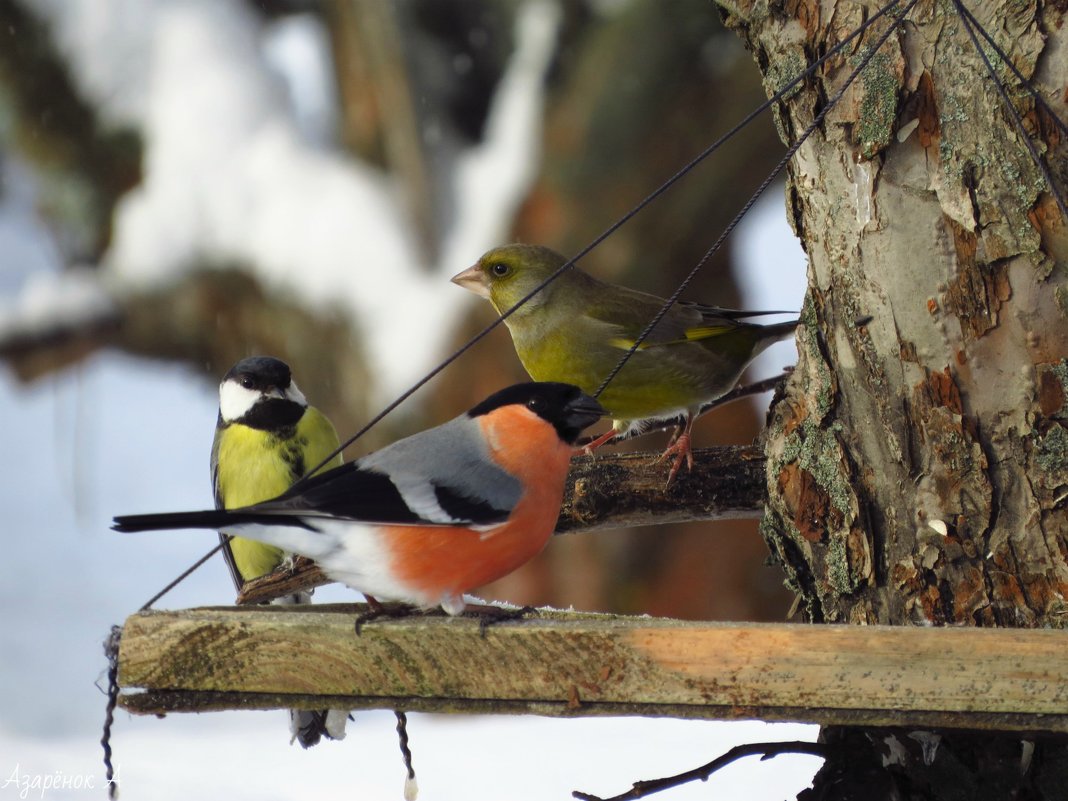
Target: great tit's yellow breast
column 253, row 466
column 256, row 465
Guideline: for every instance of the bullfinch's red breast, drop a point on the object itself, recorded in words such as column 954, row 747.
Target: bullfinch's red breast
column 434, row 515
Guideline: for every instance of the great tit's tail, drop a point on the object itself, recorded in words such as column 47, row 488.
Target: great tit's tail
column 308, row 727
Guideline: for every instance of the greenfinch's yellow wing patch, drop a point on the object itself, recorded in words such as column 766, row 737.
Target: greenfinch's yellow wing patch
column 690, row 335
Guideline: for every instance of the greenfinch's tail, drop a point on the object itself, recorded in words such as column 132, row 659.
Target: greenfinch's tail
column 776, row 331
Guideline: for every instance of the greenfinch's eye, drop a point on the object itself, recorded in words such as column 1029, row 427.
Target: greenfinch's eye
column 499, row 269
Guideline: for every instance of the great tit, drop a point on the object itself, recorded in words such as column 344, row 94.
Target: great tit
column 267, row 437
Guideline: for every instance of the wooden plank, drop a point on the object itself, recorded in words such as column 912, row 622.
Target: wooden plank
column 574, row 664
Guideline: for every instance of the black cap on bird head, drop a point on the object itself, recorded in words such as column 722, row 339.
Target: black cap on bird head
column 565, row 406
column 260, row 372
column 260, row 392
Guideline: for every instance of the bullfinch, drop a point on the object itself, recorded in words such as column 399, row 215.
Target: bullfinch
column 432, row 516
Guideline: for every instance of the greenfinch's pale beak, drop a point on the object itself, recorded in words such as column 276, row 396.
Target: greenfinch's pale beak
column 473, row 280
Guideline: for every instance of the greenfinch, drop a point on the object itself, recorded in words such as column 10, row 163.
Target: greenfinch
column 577, row 328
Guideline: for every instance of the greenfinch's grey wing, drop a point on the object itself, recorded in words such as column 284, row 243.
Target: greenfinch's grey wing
column 729, row 314
column 629, row 312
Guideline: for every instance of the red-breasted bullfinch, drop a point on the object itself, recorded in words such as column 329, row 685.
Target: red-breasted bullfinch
column 434, row 515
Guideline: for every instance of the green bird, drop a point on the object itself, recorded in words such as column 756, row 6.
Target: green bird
column 577, row 329
column 266, row 438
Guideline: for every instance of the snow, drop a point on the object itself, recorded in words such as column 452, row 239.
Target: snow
column 236, row 174
column 463, row 759
column 297, row 47
column 35, row 298
column 240, row 167
column 490, row 180
column 50, row 300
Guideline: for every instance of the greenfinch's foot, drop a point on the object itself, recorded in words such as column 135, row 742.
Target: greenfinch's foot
column 680, row 449
column 607, row 436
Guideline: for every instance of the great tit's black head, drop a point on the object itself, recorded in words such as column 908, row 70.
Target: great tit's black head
column 565, row 406
column 260, row 392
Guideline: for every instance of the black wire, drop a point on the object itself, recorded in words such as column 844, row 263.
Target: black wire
column 185, row 573
column 753, row 199
column 1008, row 63
column 1013, row 111
column 402, row 736
column 785, row 90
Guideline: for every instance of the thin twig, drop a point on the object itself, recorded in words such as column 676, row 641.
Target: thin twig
column 646, row 787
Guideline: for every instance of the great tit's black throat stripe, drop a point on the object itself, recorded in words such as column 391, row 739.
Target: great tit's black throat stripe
column 273, row 414
column 292, row 454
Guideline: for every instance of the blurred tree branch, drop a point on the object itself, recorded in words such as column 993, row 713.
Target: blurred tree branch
column 85, row 166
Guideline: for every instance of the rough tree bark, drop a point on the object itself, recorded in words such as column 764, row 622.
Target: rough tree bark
column 918, row 465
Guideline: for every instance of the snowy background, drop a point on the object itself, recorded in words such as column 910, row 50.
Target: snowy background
column 119, row 434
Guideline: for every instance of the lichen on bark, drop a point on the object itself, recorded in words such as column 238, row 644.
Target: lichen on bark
column 919, row 390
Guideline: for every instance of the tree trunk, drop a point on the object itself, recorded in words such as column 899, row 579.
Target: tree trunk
column 918, row 465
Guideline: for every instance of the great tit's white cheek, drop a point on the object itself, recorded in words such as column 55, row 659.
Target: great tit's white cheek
column 294, row 394
column 235, row 401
